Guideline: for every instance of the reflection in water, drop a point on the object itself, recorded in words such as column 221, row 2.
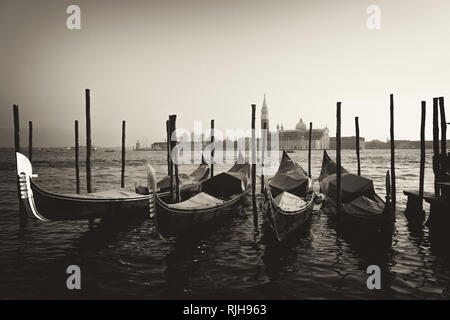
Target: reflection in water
column 236, row 258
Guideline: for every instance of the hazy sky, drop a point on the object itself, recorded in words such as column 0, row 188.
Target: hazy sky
column 144, row 60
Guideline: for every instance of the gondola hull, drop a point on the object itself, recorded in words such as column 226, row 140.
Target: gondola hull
column 49, row 206
column 365, row 210
column 217, row 197
column 56, row 207
column 171, row 222
column 285, row 223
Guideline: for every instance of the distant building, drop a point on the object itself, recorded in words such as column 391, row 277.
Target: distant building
column 297, row 139
column 348, row 143
column 159, row 146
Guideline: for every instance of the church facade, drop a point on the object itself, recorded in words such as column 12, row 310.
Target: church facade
column 298, row 138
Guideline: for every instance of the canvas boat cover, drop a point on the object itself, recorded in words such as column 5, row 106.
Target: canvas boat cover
column 290, row 177
column 199, row 201
column 352, row 185
column 197, row 175
column 288, row 202
column 226, row 184
column 108, row 194
column 185, row 180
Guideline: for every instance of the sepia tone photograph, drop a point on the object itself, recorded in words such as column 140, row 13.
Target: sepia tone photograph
column 212, row 150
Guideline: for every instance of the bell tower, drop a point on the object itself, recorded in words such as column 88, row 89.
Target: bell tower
column 264, row 114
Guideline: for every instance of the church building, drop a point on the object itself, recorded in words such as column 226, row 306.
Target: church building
column 297, row 139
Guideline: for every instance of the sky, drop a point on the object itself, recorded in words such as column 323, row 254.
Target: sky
column 211, row 59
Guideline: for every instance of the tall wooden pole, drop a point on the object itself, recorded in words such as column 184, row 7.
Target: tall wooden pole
column 393, row 187
column 436, row 168
column 30, row 140
column 422, row 154
column 22, row 213
column 77, row 154
column 169, row 162
column 309, row 149
column 173, row 143
column 264, row 144
column 338, row 159
column 213, row 148
column 253, row 150
column 88, row 141
column 253, row 146
column 122, row 178
column 358, row 159
column 443, row 132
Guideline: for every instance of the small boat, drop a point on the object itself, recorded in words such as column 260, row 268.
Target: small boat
column 217, row 195
column 360, row 203
column 49, row 206
column 288, row 198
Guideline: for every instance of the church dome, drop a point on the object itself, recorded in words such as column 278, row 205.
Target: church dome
column 300, row 125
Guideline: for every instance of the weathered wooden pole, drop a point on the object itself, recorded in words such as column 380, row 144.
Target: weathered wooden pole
column 436, row 168
column 30, row 140
column 443, row 159
column 263, row 149
column 173, row 143
column 77, row 154
column 338, row 159
column 88, row 141
column 213, row 148
column 309, row 149
column 358, row 159
column 422, row 155
column 122, row 178
column 393, row 187
column 253, row 146
column 169, row 162
column 443, row 133
column 22, row 214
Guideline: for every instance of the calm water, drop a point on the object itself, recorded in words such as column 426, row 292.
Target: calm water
column 236, row 259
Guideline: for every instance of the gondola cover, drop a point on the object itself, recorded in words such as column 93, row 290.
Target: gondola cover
column 290, row 177
column 352, row 186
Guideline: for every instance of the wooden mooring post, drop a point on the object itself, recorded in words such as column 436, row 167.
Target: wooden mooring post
column 338, row 159
column 263, row 149
column 77, row 155
column 414, row 206
column 443, row 133
column 253, row 150
column 213, row 148
column 309, row 149
column 88, row 146
column 30, row 140
column 88, row 141
column 173, row 142
column 169, row 162
column 436, row 168
column 422, row 154
column 122, row 176
column 358, row 158
column 393, row 186
column 22, row 213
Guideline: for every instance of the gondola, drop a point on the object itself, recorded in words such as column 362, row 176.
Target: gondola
column 49, row 206
column 217, row 195
column 360, row 202
column 288, row 198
